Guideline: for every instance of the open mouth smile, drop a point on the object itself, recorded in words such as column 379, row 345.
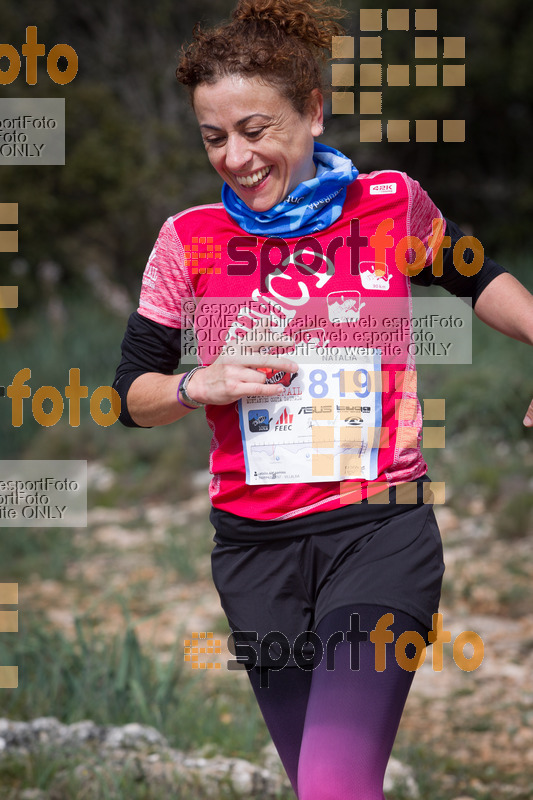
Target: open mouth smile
column 253, row 180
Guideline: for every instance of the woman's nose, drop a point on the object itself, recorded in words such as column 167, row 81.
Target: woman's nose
column 238, row 153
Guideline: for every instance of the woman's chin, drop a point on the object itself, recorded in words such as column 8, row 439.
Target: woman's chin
column 258, row 205
column 259, row 202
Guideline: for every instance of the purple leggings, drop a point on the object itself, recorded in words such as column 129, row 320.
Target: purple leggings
column 334, row 729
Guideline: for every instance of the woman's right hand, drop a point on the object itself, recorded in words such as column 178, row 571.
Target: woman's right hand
column 231, row 377
column 152, row 397
column 237, row 371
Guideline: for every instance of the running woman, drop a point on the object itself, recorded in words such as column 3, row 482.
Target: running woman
column 324, row 536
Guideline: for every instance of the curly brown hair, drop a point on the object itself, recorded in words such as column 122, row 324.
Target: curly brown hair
column 282, row 41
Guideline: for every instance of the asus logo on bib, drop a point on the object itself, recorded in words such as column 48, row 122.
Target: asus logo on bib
column 383, row 188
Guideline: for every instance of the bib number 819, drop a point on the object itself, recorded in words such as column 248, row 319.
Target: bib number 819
column 319, row 383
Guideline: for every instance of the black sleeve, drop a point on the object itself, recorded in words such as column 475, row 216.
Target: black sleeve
column 147, row 347
column 451, row 279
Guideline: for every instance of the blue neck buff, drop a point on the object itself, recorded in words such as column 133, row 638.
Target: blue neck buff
column 312, row 206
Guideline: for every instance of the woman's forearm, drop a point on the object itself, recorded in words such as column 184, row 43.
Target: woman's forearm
column 507, row 306
column 152, row 399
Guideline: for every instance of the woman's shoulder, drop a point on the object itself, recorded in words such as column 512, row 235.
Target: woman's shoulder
column 196, row 212
column 195, row 225
column 210, row 220
column 383, row 177
column 388, row 183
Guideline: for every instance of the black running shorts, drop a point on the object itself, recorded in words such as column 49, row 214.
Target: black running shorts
column 286, row 576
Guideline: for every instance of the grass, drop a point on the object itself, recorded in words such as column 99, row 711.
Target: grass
column 488, row 449
column 515, row 518
column 84, row 776
column 37, row 551
column 114, row 681
column 158, row 460
column 447, row 778
column 183, row 553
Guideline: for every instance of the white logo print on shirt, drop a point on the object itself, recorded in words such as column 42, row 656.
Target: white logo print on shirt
column 383, row 188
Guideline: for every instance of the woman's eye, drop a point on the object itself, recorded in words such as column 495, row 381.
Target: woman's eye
column 218, row 141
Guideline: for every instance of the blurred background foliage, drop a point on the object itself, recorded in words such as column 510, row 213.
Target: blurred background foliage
column 134, row 156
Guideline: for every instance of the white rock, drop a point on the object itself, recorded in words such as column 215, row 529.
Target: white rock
column 83, row 730
column 133, row 735
column 400, row 775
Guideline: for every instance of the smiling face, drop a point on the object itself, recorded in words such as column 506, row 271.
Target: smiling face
column 259, row 145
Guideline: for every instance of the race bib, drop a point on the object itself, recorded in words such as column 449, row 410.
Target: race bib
column 325, row 426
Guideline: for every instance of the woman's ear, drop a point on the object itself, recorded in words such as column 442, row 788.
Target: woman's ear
column 315, row 111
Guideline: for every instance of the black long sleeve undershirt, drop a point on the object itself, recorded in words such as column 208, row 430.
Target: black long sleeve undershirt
column 451, row 279
column 151, row 347
column 146, row 347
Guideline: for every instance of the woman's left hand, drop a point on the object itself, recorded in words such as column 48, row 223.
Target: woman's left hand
column 528, row 419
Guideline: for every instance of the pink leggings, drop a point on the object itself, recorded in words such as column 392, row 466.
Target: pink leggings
column 334, row 729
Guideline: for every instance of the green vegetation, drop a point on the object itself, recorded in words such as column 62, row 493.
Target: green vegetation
column 181, row 554
column 446, row 778
column 488, row 453
column 114, row 681
column 134, row 155
column 88, row 338
column 515, row 518
column 94, row 781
